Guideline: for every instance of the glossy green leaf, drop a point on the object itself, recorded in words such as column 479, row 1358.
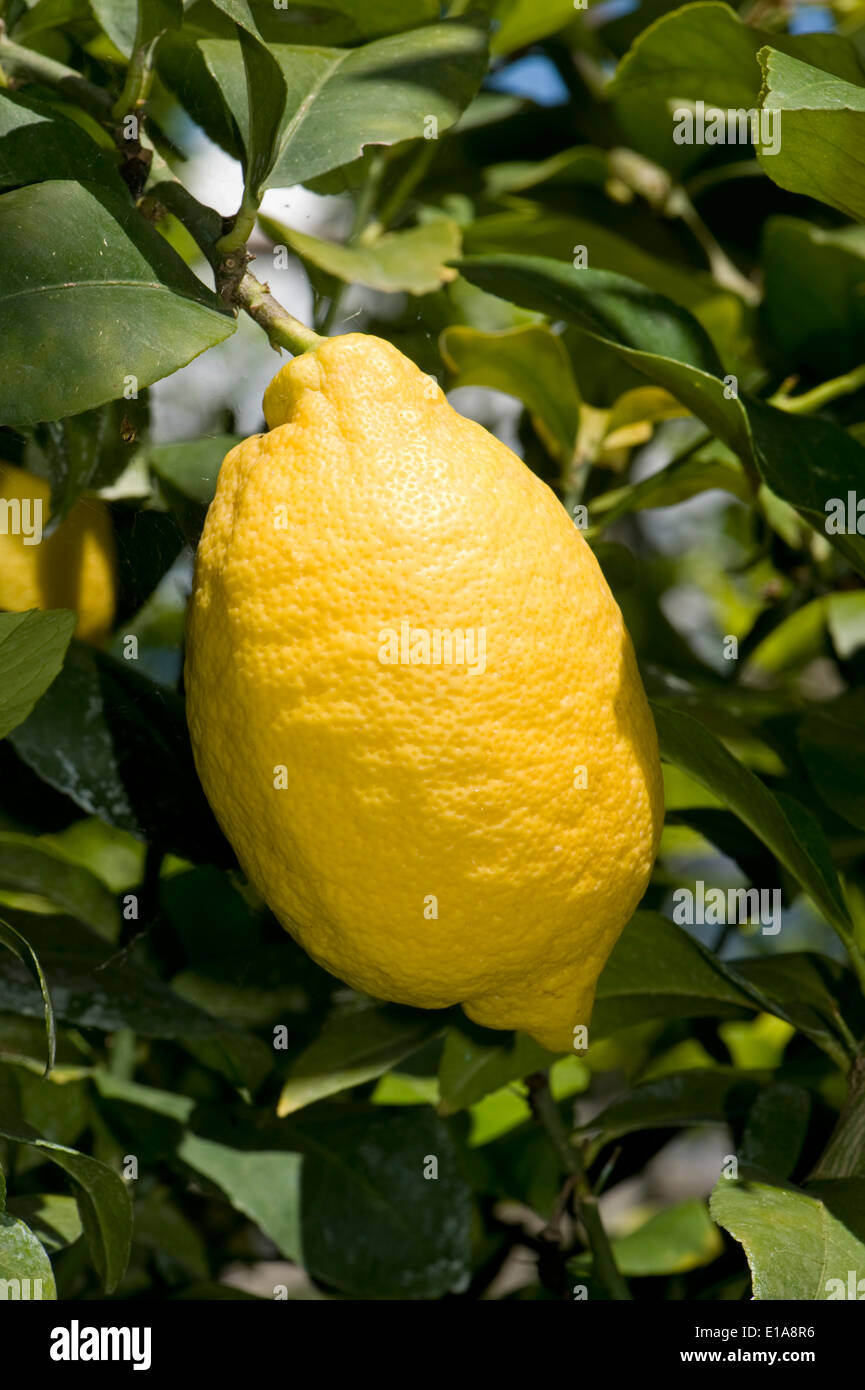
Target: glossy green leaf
column 69, row 299
column 88, row 993
column 816, row 995
column 701, row 1096
column 137, row 24
column 266, row 95
column 39, row 142
column 413, row 261
column 682, row 479
column 48, row 14
column 804, row 460
column 704, row 52
column 103, row 1201
column 54, row 1219
column 119, row 747
column 264, row 1185
column 815, row 293
column 474, row 1064
column 119, row 20
column 831, row 740
column 657, row 970
column 776, row 1129
column 340, row 100
column 536, row 230
column 28, row 866
column 162, row 1227
column 673, row 1241
column 519, row 23
column 528, row 362
column 796, row 1248
column 25, row 1269
column 32, row 647
column 192, row 466
column 329, row 21
column 374, row 1225
column 32, row 966
column 352, row 1048
column 822, row 118
column 792, row 834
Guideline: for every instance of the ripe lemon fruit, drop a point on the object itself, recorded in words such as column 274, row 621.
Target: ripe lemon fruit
column 435, row 821
column 73, row 568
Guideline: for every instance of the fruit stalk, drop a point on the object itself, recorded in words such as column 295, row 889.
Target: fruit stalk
column 281, row 327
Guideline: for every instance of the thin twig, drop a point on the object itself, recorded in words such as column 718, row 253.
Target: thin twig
column 547, row 1115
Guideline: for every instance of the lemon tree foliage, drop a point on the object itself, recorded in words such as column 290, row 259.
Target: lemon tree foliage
column 251, row 871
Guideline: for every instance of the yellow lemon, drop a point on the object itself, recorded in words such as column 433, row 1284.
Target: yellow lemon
column 414, row 706
column 73, row 568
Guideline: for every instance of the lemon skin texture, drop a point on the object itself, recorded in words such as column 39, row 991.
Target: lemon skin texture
column 431, row 841
column 73, row 568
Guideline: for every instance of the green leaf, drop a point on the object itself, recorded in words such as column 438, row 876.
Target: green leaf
column 32, row 648
column 38, row 142
column 340, row 100
column 776, row 1129
column 804, row 460
column 161, row 1227
column 329, row 21
column 657, row 970
column 103, row 1202
column 374, row 1225
column 353, row 1048
column 815, row 293
column 266, row 95
column 673, row 1241
column 794, row 1245
column 534, row 229
column 69, row 299
column 264, row 1185
column 528, row 362
column 22, row 1261
column 53, row 1218
column 118, row 746
column 57, row 1107
column 811, row 992
column 796, row 640
column 822, row 124
column 711, row 467
column 154, row 18
column 704, row 52
column 21, row 948
column 413, row 261
column 789, row 830
column 88, row 993
column 831, row 740
column 191, row 466
column 473, row 1065
column 119, row 20
column 137, row 24
column 523, row 22
column 28, row 866
column 702, row 1096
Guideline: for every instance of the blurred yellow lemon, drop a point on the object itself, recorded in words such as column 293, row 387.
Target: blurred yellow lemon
column 73, row 568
